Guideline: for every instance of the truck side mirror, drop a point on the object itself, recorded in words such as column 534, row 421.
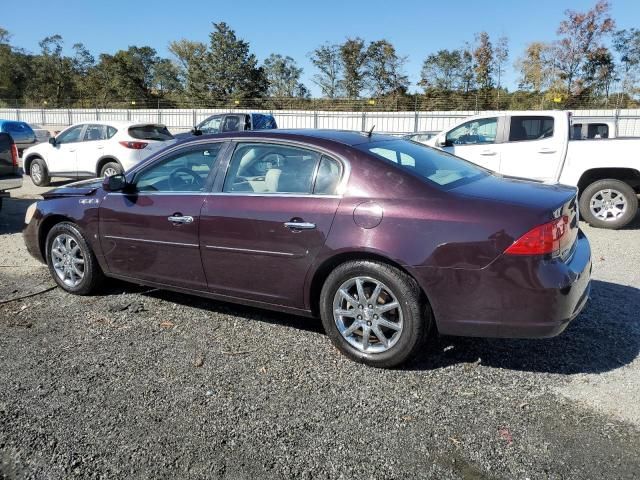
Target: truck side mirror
column 52, row 141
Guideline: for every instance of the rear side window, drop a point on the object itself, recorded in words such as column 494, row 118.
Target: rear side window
column 263, row 122
column 150, row 132
column 597, row 130
column 94, row 132
column 111, row 131
column 328, row 177
column 530, row 128
column 233, row 123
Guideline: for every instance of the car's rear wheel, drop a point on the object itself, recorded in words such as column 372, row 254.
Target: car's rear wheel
column 608, row 203
column 39, row 173
column 374, row 313
column 110, row 169
column 71, row 261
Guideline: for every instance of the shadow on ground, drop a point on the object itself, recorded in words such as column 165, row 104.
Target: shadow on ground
column 12, row 214
column 605, row 336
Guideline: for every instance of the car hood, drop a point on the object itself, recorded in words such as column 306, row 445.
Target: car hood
column 76, row 189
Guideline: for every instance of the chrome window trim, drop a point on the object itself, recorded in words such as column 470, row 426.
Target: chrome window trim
column 232, row 194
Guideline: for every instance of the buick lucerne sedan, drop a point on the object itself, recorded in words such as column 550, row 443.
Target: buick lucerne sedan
column 386, row 240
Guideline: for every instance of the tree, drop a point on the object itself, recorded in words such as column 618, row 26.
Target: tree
column 15, row 68
column 283, row 76
column 627, row 44
column 600, row 72
column 326, row 58
column 536, row 67
column 467, row 74
column 53, row 73
column 232, row 70
column 353, row 57
column 484, row 61
column 385, row 69
column 581, row 33
column 166, row 77
column 442, row 70
column 500, row 55
column 192, row 58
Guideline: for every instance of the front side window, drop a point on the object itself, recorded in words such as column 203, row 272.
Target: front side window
column 435, row 166
column 474, row 132
column 71, row 135
column 271, row 168
column 211, row 125
column 186, row 171
column 94, row 132
column 530, row 128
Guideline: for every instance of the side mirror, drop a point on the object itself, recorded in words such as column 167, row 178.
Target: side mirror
column 196, row 131
column 114, row 183
column 52, row 141
column 443, row 142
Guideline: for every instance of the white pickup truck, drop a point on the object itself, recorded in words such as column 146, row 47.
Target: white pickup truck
column 536, row 145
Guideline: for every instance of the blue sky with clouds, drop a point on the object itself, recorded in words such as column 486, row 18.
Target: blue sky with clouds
column 294, row 28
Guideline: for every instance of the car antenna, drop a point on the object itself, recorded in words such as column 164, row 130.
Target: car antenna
column 370, row 131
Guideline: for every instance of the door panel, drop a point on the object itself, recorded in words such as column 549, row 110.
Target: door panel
column 139, row 240
column 247, row 251
column 61, row 157
column 534, row 148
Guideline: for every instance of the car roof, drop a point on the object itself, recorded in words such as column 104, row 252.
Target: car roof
column 344, row 137
column 115, row 123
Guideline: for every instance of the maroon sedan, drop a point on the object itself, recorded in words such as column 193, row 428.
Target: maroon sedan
column 384, row 239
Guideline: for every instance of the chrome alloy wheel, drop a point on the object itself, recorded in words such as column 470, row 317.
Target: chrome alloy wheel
column 109, row 172
column 67, row 260
column 608, row 204
column 367, row 314
column 36, row 172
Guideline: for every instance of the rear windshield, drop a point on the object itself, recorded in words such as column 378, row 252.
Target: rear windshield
column 150, row 132
column 16, row 127
column 437, row 167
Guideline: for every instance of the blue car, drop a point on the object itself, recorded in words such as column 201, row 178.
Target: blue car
column 21, row 133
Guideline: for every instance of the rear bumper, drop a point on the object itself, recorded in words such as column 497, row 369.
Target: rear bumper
column 514, row 297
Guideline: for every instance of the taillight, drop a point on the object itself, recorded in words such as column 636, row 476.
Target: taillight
column 134, row 145
column 544, row 239
column 14, row 155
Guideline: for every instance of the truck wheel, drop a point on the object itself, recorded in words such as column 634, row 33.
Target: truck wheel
column 608, row 203
column 39, row 173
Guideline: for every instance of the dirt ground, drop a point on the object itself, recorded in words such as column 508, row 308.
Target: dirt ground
column 143, row 383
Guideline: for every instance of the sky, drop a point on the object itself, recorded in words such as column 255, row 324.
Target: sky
column 295, row 28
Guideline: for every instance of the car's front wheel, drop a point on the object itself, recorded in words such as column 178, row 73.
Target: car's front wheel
column 71, row 261
column 374, row 313
column 608, row 203
column 39, row 173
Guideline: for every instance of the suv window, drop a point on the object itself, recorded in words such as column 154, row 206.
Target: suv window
column 71, row 135
column 16, row 127
column 271, row 168
column 111, row 131
column 186, row 171
column 150, row 132
column 94, row 132
column 211, row 125
column 474, row 132
column 530, row 128
column 233, row 123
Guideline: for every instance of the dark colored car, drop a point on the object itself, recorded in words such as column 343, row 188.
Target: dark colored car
column 232, row 122
column 10, row 176
column 22, row 134
column 383, row 238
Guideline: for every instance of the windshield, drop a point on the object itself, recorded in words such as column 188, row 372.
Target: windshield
column 150, row 132
column 437, row 167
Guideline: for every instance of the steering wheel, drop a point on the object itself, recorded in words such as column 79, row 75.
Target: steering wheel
column 177, row 180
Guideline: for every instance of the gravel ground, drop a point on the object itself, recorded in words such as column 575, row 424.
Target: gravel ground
column 141, row 383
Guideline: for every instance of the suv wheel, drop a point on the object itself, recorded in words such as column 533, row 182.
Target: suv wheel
column 109, row 169
column 374, row 313
column 71, row 261
column 39, row 173
column 608, row 203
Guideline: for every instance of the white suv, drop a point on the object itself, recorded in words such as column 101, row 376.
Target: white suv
column 95, row 149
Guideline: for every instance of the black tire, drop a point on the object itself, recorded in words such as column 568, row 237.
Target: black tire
column 110, row 166
column 592, row 192
column 416, row 315
column 92, row 274
column 39, row 173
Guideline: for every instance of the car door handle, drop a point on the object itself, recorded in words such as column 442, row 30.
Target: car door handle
column 180, row 219
column 546, row 150
column 488, row 153
column 300, row 225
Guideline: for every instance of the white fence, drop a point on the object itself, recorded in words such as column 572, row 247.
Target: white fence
column 628, row 121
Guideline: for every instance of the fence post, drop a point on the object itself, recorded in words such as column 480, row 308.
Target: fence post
column 69, row 116
column 159, row 112
column 97, row 114
column 364, row 120
column 44, row 117
column 415, row 117
column 617, row 122
column 315, row 115
column 17, row 114
column 193, row 112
